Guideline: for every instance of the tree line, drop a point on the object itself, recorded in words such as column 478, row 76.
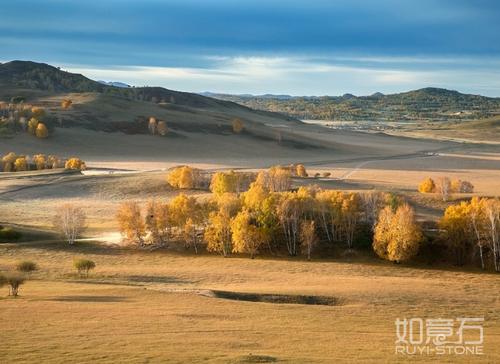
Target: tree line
column 13, row 162
column 250, row 213
column 260, row 213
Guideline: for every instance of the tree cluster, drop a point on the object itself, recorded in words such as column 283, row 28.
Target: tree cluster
column 12, row 162
column 472, row 231
column 445, row 187
column 266, row 216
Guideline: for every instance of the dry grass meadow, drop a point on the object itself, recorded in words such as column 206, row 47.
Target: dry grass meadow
column 142, row 307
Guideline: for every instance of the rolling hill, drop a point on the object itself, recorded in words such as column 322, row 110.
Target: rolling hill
column 427, row 104
column 104, row 107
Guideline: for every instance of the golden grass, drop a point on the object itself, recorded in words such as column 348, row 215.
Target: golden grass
column 128, row 310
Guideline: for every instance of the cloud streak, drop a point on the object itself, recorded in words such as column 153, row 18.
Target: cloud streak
column 296, row 47
column 295, row 76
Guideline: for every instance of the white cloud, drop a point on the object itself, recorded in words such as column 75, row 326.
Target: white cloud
column 296, row 76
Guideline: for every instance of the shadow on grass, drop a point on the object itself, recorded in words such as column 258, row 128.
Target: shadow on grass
column 155, row 279
column 88, row 247
column 276, row 298
column 92, row 299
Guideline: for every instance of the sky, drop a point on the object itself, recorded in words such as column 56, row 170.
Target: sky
column 314, row 47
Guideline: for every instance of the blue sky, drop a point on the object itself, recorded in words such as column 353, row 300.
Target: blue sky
column 310, row 47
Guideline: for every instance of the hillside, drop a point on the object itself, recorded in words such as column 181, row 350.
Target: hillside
column 102, row 107
column 427, row 104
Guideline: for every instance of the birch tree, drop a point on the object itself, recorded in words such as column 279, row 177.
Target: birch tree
column 70, row 222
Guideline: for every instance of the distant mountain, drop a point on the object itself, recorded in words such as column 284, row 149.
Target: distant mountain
column 114, row 83
column 427, row 104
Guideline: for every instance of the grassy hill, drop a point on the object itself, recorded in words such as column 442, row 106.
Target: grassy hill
column 427, row 104
column 108, row 108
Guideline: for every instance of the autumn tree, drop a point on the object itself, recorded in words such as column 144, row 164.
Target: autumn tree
column 152, row 125
column 185, row 216
column 190, row 234
column 66, row 103
column 157, row 223
column 247, row 237
column 218, row 233
column 54, row 162
column 443, row 187
column 459, row 186
column 350, row 215
column 40, row 161
column 41, row 131
column 289, row 212
column 226, row 182
column 131, row 222
column 37, row 112
column 32, row 125
column 276, row 179
column 162, row 128
column 237, row 125
column 371, row 204
column 20, row 164
column 184, row 177
column 75, row 163
column 300, row 170
column 8, row 161
column 397, row 235
column 329, row 208
column 492, row 214
column 427, row 186
column 456, row 231
column 69, row 221
column 308, row 238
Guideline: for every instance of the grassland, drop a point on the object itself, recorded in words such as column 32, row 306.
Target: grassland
column 133, row 309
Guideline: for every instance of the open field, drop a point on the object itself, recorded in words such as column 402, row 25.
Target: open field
column 142, row 306
column 130, row 309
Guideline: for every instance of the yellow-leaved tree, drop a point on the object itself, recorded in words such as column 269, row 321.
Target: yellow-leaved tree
column 457, row 231
column 218, row 233
column 427, row 186
column 8, row 161
column 162, row 128
column 41, row 131
column 308, row 237
column 21, row 164
column 224, row 182
column 397, row 235
column 184, row 177
column 131, row 223
column 75, row 163
column 237, row 126
column 32, row 125
column 300, row 170
column 40, row 161
column 246, row 236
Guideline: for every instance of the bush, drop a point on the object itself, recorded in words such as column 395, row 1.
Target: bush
column 84, row 266
column 14, row 281
column 9, row 234
column 326, row 174
column 26, row 266
column 459, row 186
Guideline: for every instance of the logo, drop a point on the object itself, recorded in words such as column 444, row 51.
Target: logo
column 441, row 336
